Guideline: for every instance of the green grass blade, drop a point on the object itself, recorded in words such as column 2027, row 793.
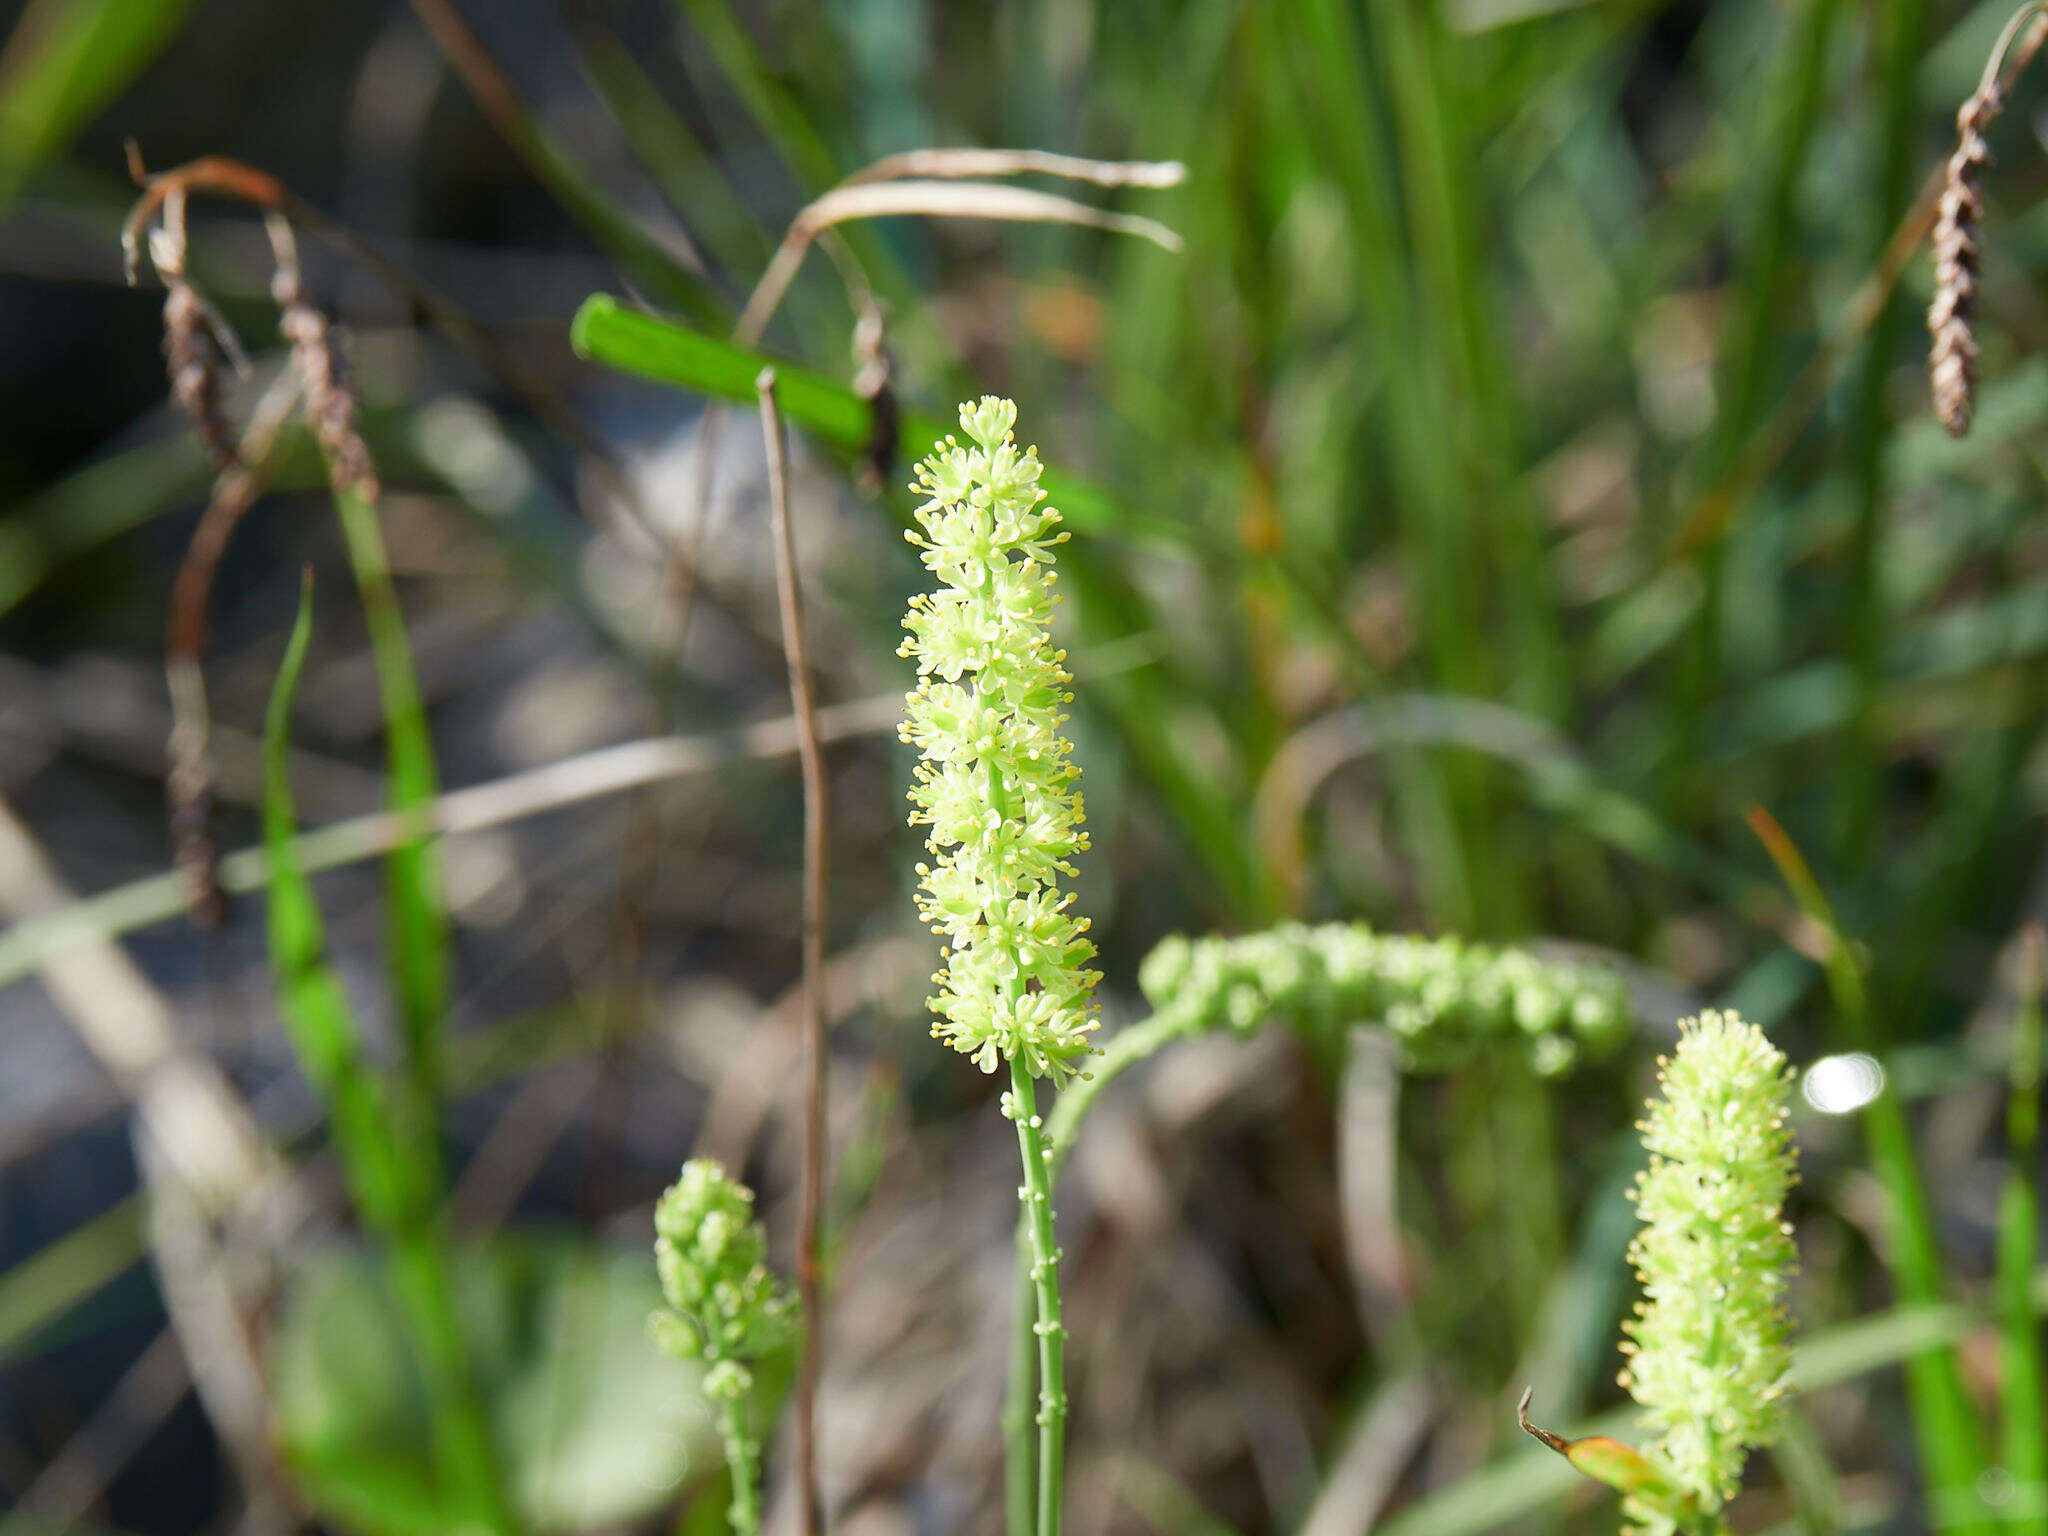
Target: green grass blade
column 60, row 1275
column 774, row 109
column 73, row 516
column 388, row 1155
column 63, row 63
column 662, row 141
column 780, row 114
column 674, row 274
column 1790, row 113
column 1801, row 1457
column 1430, row 91
column 417, row 920
column 1900, row 27
column 1951, row 1441
column 2023, row 1421
column 390, row 1188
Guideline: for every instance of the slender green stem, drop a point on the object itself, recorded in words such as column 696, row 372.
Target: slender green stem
column 741, row 1461
column 1126, row 1048
column 1045, row 1281
column 1020, row 1453
column 2024, row 1430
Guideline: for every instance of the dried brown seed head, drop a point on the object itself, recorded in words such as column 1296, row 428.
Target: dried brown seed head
column 1951, row 318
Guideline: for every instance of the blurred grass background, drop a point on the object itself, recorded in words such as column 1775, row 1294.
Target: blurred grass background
column 1511, row 483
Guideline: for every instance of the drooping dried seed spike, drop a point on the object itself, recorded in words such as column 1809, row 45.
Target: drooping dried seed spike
column 193, row 359
column 1952, row 360
column 1951, row 318
column 196, row 341
column 330, row 405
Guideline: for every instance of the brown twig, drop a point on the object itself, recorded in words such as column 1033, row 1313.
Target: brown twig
column 189, row 776
column 810, row 754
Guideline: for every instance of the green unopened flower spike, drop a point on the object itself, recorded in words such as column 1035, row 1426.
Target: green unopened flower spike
column 1707, row 1350
column 1443, row 1000
column 726, row 1308
column 995, row 785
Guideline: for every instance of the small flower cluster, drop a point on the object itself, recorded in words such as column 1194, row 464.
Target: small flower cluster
column 995, row 785
column 1443, row 999
column 1707, row 1349
column 726, row 1308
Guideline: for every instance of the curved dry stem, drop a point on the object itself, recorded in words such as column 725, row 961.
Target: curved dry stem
column 972, row 162
column 921, row 182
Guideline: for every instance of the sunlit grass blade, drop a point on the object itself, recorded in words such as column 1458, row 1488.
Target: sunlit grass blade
column 1951, row 1440
column 388, row 1153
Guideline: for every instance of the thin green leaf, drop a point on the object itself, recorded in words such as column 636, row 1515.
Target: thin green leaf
column 2023, row 1414
column 60, row 1275
column 388, row 1154
column 417, row 920
column 673, row 271
column 63, row 63
column 1951, row 1441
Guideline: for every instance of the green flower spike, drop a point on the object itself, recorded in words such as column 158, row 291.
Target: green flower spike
column 726, row 1308
column 1443, row 1000
column 1707, row 1349
column 994, row 784
column 996, row 789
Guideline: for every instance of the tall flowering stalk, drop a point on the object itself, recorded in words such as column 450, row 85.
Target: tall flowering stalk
column 1707, row 1349
column 998, row 793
